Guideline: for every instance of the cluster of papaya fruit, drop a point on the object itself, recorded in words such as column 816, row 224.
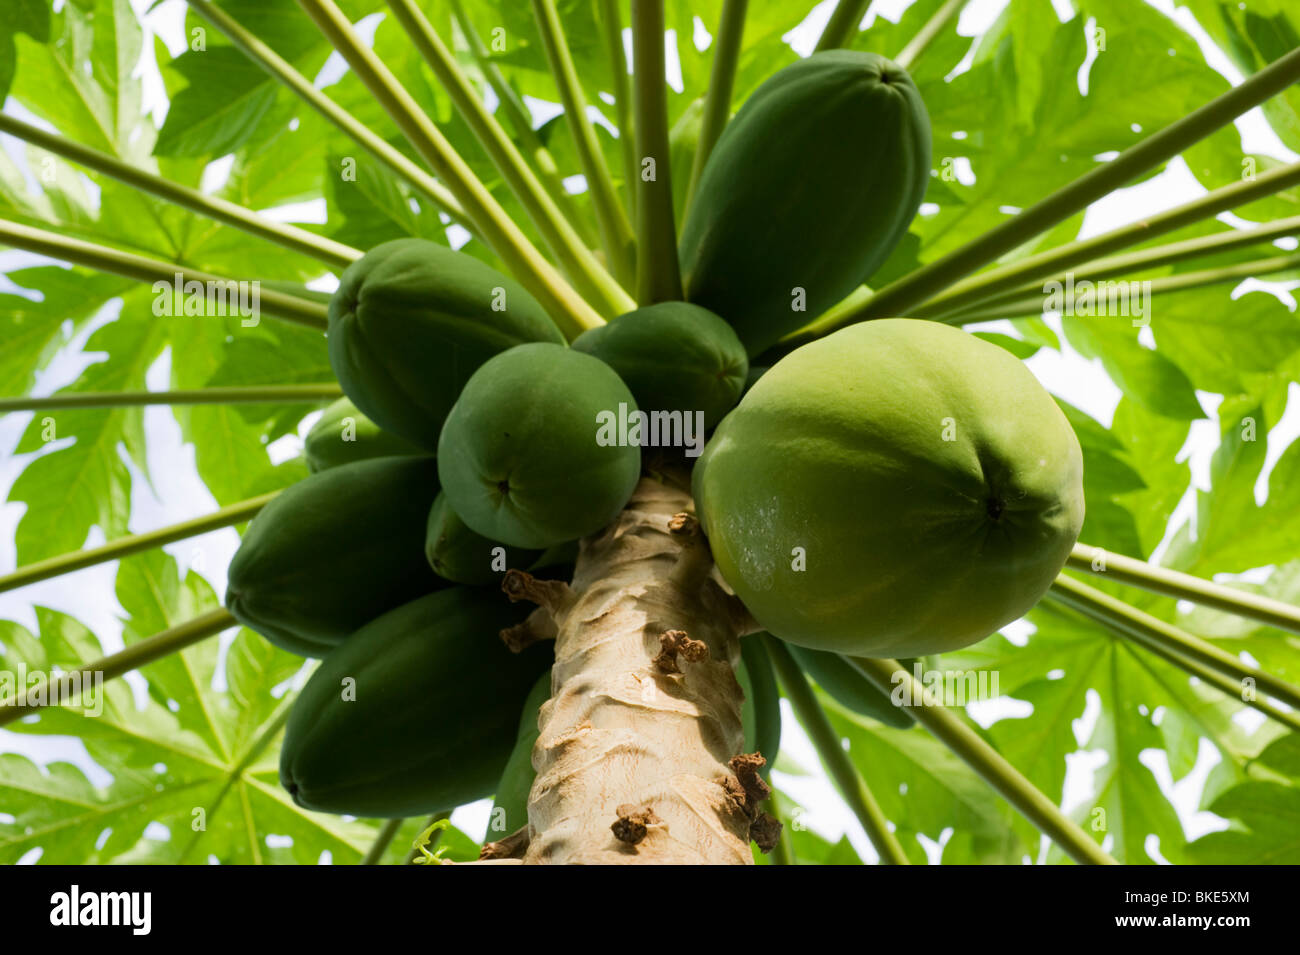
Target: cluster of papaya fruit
column 895, row 489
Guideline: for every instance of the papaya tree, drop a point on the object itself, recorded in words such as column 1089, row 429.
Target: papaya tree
column 604, row 392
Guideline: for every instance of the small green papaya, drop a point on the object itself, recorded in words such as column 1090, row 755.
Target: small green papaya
column 415, row 713
column 524, row 457
column 409, row 323
column 806, row 193
column 343, row 434
column 894, row 489
column 673, row 356
column 457, row 553
column 848, row 687
column 510, row 806
column 761, row 711
column 333, row 552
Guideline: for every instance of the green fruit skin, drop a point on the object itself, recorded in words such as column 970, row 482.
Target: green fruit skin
column 333, row 552
column 343, row 435
column 516, row 781
column 430, row 719
column 914, row 544
column 810, row 186
column 761, row 711
column 457, row 553
column 410, row 322
column 673, row 356
column 519, row 459
column 849, row 688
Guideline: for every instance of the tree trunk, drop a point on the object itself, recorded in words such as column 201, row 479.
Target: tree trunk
column 636, row 761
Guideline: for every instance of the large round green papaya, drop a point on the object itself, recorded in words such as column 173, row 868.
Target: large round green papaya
column 343, row 434
column 415, row 713
column 409, row 323
column 458, row 553
column 529, row 456
column 673, row 356
column 809, row 188
column 510, row 806
column 333, row 552
column 848, row 687
column 897, row 488
column 761, row 711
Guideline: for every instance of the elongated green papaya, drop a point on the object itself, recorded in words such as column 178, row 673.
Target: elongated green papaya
column 761, row 711
column 457, row 553
column 343, row 434
column 895, row 489
column 806, row 193
column 333, row 552
column 410, row 322
column 850, row 688
column 524, row 458
column 510, row 806
column 673, row 357
column 415, row 713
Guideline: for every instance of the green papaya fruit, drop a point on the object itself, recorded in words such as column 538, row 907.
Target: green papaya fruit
column 849, row 688
column 343, row 434
column 457, row 553
column 761, row 711
column 416, row 713
column 524, row 457
column 510, row 806
column 809, row 188
column 410, row 322
column 333, row 552
column 673, row 356
column 894, row 489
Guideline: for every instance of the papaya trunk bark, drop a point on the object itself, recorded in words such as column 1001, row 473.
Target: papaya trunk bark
column 634, row 763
